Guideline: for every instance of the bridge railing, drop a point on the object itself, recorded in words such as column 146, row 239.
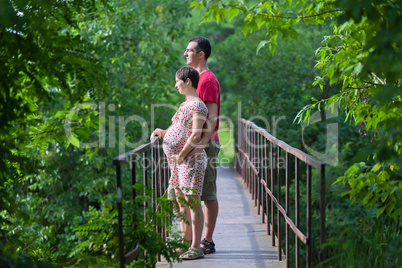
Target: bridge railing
column 258, row 160
column 155, row 174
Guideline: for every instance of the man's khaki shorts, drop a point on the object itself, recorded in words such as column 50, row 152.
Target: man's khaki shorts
column 209, row 187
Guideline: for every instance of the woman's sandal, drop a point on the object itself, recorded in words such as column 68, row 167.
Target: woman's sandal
column 209, row 247
column 192, row 254
column 179, row 251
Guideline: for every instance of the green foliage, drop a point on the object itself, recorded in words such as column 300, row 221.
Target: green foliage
column 365, row 43
column 35, row 73
column 374, row 186
column 71, row 73
column 265, row 89
column 226, row 140
column 359, row 73
column 96, row 240
column 358, row 238
column 76, row 72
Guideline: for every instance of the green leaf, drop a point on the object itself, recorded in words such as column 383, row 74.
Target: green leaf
column 293, row 34
column 232, row 12
column 340, row 179
column 352, row 170
column 380, row 211
column 261, row 45
column 358, row 68
column 260, row 21
column 244, row 29
column 217, row 15
column 194, row 4
column 67, row 144
column 32, row 106
column 272, row 45
column 74, row 141
column 307, row 116
column 376, row 167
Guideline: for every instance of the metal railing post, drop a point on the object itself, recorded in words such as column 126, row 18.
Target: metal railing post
column 297, row 194
column 308, row 223
column 322, row 255
column 272, row 190
column 120, row 216
column 287, row 207
column 278, row 170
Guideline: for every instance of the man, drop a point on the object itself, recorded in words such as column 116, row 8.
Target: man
column 197, row 52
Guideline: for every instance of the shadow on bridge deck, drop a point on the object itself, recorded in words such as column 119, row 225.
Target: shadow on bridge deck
column 240, row 238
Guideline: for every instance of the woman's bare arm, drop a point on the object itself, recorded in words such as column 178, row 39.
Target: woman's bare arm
column 192, row 141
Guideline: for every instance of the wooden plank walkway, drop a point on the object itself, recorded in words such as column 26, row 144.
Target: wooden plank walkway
column 240, row 237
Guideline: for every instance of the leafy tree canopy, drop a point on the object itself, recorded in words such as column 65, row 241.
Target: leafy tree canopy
column 71, row 73
column 362, row 59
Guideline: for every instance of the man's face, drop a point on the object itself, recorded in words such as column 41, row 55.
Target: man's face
column 192, row 57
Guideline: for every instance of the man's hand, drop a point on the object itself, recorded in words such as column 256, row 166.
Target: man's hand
column 176, row 159
column 194, row 153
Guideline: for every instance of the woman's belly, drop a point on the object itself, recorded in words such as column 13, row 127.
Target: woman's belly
column 174, row 140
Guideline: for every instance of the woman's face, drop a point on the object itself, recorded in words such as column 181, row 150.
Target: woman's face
column 181, row 86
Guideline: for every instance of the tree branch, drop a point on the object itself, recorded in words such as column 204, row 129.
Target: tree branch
column 2, row 32
column 358, row 88
column 374, row 84
column 320, row 14
column 289, row 17
column 301, row 17
column 340, row 96
column 382, row 82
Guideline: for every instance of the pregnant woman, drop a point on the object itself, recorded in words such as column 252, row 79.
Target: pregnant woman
column 187, row 174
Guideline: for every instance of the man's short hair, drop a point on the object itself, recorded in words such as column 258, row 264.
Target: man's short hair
column 188, row 72
column 202, row 45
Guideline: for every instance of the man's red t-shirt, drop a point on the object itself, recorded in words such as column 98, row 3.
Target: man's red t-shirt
column 209, row 90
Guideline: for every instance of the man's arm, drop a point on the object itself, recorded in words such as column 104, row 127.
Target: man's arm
column 209, row 127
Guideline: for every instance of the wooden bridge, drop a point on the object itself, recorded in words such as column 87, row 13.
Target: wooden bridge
column 241, row 240
column 260, row 201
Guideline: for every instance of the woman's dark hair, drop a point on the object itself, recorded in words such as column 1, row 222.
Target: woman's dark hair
column 188, row 72
column 202, row 45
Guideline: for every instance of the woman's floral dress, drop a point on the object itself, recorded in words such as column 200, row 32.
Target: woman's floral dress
column 188, row 176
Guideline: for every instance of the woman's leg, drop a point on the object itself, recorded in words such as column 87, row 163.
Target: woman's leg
column 197, row 219
column 186, row 232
